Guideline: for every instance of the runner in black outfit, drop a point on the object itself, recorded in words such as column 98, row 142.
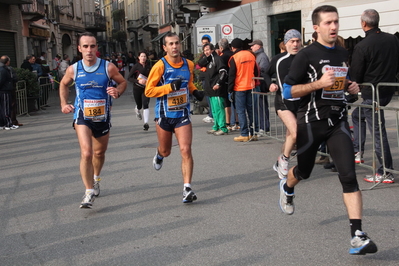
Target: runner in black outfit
column 138, row 75
column 285, row 108
column 318, row 75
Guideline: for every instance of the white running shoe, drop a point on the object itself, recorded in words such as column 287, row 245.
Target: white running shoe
column 207, row 119
column 362, row 244
column 188, row 195
column 87, row 201
column 11, row 127
column 157, row 163
column 286, row 200
column 281, row 166
column 359, row 157
column 96, row 187
column 138, row 113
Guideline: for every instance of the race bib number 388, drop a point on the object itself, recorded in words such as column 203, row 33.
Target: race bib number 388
column 94, row 110
column 336, row 91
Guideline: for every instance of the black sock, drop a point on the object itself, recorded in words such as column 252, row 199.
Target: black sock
column 356, row 224
column 289, row 190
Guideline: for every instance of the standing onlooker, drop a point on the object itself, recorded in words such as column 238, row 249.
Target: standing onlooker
column 63, row 66
column 374, row 60
column 261, row 121
column 138, row 75
column 120, row 63
column 152, row 57
column 242, row 70
column 56, row 62
column 215, row 88
column 286, row 109
column 318, row 74
column 36, row 66
column 225, row 54
column 55, row 70
column 92, row 110
column 27, row 64
column 43, row 56
column 6, row 88
column 209, row 117
column 130, row 60
column 171, row 82
column 14, row 103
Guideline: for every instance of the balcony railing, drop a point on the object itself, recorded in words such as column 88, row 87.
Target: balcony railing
column 134, row 25
column 34, row 11
column 151, row 22
column 16, row 2
column 94, row 21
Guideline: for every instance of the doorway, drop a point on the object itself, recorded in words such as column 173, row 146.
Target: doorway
column 280, row 24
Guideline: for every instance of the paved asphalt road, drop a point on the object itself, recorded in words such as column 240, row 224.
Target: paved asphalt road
column 139, row 218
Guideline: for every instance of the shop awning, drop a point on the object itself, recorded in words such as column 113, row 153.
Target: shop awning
column 159, row 37
column 240, row 17
column 349, row 17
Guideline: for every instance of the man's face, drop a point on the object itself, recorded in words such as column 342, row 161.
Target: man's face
column 255, row 47
column 327, row 30
column 207, row 51
column 172, row 46
column 88, row 47
column 32, row 60
column 204, row 41
column 293, row 46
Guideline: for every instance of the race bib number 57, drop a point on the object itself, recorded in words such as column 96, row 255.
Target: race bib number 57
column 336, row 91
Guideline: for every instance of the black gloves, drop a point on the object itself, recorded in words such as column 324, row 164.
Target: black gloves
column 176, row 85
column 199, row 95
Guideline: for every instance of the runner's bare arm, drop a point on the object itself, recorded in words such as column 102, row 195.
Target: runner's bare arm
column 119, row 79
column 64, row 91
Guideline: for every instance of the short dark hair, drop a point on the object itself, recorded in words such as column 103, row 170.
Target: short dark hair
column 88, row 34
column 169, row 34
column 322, row 9
column 371, row 17
column 205, row 38
column 211, row 46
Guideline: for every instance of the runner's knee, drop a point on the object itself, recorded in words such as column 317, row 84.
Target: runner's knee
column 298, row 175
column 349, row 184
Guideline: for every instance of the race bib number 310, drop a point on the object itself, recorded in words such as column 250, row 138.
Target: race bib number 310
column 94, row 110
column 336, row 91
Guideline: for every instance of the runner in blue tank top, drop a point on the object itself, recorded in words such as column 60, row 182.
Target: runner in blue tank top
column 171, row 82
column 92, row 117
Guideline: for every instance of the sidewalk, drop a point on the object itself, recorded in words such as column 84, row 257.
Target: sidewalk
column 139, row 218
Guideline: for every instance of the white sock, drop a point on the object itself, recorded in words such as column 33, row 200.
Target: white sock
column 146, row 114
column 187, row 185
column 89, row 191
column 97, row 178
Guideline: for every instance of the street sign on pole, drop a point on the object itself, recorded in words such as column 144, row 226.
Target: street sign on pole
column 227, row 31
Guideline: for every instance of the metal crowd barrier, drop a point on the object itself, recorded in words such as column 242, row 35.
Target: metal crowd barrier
column 376, row 108
column 46, row 87
column 277, row 128
column 21, row 98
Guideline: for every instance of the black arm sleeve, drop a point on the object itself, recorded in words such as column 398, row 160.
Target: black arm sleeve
column 232, row 75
